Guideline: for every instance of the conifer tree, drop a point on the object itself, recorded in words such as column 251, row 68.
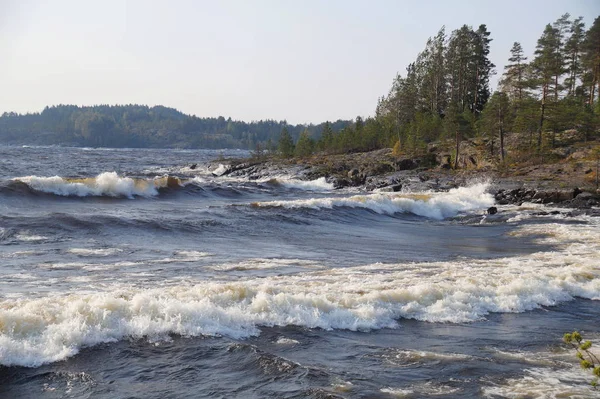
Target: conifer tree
column 495, row 117
column 305, row 145
column 544, row 68
column 573, row 51
column 591, row 60
column 513, row 80
column 561, row 27
column 483, row 69
column 286, row 144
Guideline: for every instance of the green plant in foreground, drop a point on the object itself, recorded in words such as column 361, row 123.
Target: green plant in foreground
column 587, row 359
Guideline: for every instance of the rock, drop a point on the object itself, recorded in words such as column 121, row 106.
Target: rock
column 221, row 170
column 587, row 172
column 340, row 183
column 392, row 189
column 193, row 166
column 492, row 210
column 584, row 195
column 406, row 164
column 378, row 169
column 352, row 173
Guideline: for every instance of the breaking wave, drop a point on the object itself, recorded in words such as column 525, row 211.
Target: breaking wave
column 431, row 205
column 108, row 184
column 40, row 330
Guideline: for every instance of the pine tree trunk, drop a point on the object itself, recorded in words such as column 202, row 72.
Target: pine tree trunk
column 539, row 144
column 593, row 87
column 457, row 148
column 476, row 87
column 520, row 77
column 501, row 138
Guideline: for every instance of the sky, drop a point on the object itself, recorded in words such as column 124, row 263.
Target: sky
column 305, row 61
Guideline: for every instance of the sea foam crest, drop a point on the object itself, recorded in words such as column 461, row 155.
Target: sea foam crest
column 34, row 331
column 105, row 184
column 431, row 205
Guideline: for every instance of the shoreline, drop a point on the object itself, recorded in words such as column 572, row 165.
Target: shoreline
column 379, row 170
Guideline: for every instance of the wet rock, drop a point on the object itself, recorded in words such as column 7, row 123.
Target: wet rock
column 492, row 210
column 340, row 183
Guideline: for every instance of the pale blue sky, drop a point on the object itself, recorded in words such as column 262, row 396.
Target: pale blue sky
column 304, row 61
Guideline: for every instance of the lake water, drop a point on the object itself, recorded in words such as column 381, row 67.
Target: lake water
column 127, row 274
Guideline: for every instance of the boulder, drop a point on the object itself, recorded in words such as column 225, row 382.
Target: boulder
column 406, row 164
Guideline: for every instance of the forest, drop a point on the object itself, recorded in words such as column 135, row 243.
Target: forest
column 143, row 126
column 445, row 97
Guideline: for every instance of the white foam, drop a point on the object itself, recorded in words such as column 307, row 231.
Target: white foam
column 105, row 184
column 431, row 205
column 545, row 383
column 407, row 358
column 426, row 389
column 39, row 330
column 262, row 264
column 286, row 341
column 319, row 184
column 22, row 253
column 220, row 170
column 30, row 237
column 94, row 251
column 397, row 392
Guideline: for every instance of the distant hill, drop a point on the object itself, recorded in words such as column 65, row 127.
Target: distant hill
column 143, row 126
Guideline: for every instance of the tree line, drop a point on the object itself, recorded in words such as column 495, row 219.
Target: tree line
column 445, row 96
column 143, row 126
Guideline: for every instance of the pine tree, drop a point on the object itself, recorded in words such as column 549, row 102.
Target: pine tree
column 326, row 140
column 483, row 69
column 544, row 68
column 431, row 74
column 573, row 50
column 305, row 145
column 286, row 144
column 591, row 60
column 495, row 117
column 561, row 27
column 459, row 56
column 513, row 80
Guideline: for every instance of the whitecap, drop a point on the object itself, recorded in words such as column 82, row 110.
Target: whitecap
column 430, row 205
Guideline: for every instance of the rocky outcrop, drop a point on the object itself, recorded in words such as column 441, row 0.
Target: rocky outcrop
column 572, row 198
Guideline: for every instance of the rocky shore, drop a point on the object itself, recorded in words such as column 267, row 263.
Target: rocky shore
column 379, row 170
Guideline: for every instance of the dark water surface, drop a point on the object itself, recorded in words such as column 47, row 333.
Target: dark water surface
column 128, row 274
